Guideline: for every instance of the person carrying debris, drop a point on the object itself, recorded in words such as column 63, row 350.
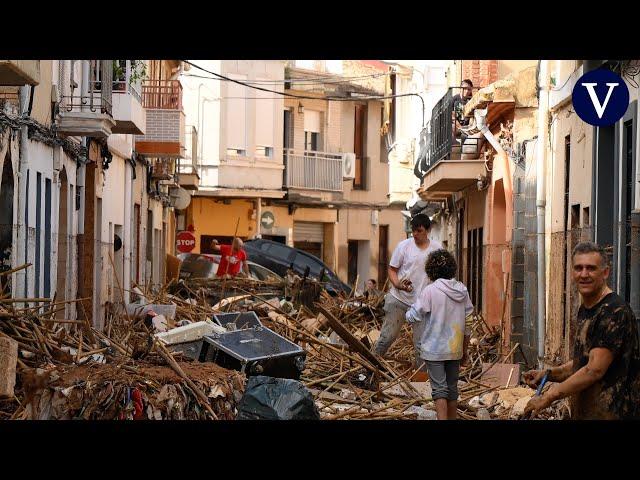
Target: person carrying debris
column 440, row 332
column 603, row 378
column 232, row 258
column 407, row 277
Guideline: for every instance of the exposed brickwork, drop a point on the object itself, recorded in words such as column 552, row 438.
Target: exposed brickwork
column 162, row 126
column 480, row 72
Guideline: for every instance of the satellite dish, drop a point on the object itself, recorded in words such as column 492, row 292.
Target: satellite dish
column 180, row 198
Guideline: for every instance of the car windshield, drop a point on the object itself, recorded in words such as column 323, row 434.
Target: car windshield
column 261, row 273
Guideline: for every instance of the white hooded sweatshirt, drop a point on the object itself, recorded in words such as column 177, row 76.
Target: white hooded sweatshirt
column 438, row 318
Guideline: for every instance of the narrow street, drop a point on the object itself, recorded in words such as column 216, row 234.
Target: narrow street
column 318, row 240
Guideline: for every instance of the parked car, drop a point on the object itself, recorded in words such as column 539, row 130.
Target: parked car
column 200, row 265
column 277, row 257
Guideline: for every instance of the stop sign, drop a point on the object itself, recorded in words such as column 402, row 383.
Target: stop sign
column 185, row 242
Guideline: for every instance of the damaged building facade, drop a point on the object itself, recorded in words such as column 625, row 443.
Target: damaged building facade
column 78, row 201
column 522, row 186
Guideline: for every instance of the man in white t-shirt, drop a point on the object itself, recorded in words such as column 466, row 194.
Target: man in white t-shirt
column 407, row 277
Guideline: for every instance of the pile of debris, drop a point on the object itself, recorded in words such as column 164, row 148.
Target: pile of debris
column 126, row 391
column 151, row 360
column 68, row 369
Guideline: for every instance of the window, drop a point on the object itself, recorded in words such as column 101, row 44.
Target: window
column 264, row 151
column 280, row 251
column 359, row 143
column 312, row 129
column 236, row 152
column 261, row 273
column 236, row 118
column 394, row 107
column 302, row 262
column 264, row 119
column 311, row 141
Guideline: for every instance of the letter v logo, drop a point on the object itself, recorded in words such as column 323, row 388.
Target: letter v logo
column 600, row 97
column 594, row 97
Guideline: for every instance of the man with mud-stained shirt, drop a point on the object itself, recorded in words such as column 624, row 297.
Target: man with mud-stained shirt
column 603, row 378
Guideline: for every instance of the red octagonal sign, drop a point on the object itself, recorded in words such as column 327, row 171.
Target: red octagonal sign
column 185, row 242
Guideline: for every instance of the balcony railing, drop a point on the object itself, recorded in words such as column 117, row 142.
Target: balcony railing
column 308, row 170
column 96, row 96
column 442, row 138
column 162, row 94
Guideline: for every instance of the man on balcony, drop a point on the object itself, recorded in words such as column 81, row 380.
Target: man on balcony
column 460, row 100
column 232, row 257
column 407, row 277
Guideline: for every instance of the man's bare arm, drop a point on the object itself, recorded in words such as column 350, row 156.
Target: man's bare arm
column 392, row 273
column 599, row 361
column 561, row 373
column 214, row 246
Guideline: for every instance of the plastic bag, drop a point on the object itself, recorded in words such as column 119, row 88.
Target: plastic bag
column 269, row 398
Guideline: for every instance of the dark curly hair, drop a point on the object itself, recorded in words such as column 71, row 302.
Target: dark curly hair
column 440, row 264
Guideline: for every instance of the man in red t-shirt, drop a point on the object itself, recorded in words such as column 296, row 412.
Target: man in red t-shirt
column 232, row 257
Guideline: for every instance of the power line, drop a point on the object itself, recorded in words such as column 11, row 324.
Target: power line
column 307, row 97
column 300, row 81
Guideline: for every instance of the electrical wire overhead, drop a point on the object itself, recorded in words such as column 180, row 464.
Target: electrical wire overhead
column 308, row 97
column 301, row 80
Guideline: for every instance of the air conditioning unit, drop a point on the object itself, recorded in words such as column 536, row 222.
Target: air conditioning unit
column 349, row 166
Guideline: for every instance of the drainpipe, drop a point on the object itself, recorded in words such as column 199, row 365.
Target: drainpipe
column 543, row 125
column 81, row 171
column 21, row 251
column 258, row 216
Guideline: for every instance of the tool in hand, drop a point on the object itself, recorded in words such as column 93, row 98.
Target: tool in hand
column 528, row 415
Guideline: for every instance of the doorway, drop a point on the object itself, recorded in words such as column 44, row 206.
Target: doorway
column 63, row 241
column 6, row 222
column 383, row 255
column 352, row 262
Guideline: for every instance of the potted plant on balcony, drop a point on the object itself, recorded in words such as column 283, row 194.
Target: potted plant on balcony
column 138, row 72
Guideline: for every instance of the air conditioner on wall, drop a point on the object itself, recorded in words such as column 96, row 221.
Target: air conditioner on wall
column 348, row 166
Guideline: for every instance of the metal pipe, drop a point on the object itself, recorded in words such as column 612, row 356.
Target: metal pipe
column 20, row 278
column 543, row 122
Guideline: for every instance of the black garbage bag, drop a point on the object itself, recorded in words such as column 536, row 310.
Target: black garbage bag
column 269, row 398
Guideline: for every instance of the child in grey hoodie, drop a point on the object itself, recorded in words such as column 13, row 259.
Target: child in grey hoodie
column 440, row 332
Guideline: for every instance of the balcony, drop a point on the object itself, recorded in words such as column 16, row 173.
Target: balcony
column 85, row 108
column 450, row 157
column 19, row 72
column 165, row 129
column 315, row 171
column 128, row 111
